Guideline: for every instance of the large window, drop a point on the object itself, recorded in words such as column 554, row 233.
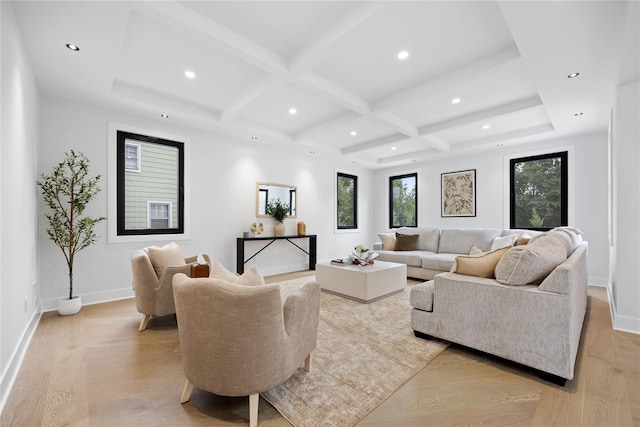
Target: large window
column 347, row 201
column 539, row 191
column 403, row 200
column 150, row 185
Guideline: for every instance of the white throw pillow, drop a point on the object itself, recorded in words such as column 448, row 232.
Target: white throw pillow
column 503, row 242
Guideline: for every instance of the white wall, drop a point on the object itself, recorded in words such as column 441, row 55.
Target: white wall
column 625, row 288
column 224, row 175
column 18, row 266
column 588, row 199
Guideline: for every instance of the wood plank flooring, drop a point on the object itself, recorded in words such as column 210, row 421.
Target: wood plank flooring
column 95, row 368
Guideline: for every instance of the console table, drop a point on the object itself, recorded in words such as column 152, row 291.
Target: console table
column 240, row 261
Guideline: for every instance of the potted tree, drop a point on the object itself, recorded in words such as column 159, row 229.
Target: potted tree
column 67, row 191
column 279, row 211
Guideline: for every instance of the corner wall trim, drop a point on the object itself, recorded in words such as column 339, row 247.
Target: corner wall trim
column 622, row 323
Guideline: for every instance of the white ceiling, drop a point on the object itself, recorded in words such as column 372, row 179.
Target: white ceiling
column 336, row 64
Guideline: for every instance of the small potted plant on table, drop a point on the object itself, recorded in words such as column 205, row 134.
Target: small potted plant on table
column 279, row 211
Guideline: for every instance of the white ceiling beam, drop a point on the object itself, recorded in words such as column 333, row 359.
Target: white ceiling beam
column 505, row 137
column 437, row 143
column 449, row 80
column 335, row 92
column 317, row 51
column 152, row 97
column 198, row 25
column 489, row 113
column 268, row 86
column 326, row 126
column 368, row 145
column 262, row 132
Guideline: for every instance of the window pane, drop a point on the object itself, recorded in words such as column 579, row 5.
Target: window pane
column 403, row 201
column 347, row 201
column 150, row 200
column 539, row 191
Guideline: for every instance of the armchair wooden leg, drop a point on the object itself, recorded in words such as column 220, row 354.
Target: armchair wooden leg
column 307, row 363
column 186, row 392
column 254, row 399
column 144, row 322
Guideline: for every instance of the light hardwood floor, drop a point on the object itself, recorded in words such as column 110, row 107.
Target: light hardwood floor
column 96, row 369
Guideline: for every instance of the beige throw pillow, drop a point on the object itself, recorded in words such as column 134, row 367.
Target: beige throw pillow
column 388, row 241
column 531, row 263
column 406, row 242
column 161, row 258
column 479, row 265
column 251, row 277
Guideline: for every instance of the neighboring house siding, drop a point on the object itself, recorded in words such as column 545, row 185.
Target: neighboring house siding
column 157, row 181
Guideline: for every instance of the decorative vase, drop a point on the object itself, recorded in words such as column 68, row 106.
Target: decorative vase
column 68, row 306
column 279, row 229
column 302, row 228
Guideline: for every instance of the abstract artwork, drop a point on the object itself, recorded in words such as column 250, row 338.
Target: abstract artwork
column 459, row 193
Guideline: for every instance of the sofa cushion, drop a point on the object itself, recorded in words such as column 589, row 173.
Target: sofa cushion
column 459, row 241
column 251, row 277
column 388, row 241
column 421, row 296
column 161, row 258
column 531, row 263
column 479, row 265
column 441, row 262
column 410, row 258
column 406, row 242
column 503, row 242
column 428, row 238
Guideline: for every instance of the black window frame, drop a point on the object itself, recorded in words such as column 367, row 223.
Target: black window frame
column 354, row 178
column 121, row 137
column 391, row 215
column 564, row 188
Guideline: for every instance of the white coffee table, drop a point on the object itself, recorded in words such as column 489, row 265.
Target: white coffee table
column 362, row 283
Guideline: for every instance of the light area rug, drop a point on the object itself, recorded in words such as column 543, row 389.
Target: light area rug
column 365, row 352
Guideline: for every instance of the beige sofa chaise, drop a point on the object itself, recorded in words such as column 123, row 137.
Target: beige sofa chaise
column 531, row 313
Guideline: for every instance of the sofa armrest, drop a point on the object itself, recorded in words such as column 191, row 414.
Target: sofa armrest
column 377, row 246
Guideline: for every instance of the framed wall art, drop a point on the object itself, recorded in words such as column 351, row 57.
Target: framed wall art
column 458, row 193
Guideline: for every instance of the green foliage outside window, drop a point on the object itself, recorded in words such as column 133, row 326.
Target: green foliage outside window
column 347, row 195
column 403, row 201
column 538, row 187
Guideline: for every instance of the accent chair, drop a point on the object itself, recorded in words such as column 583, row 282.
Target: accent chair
column 152, row 273
column 241, row 340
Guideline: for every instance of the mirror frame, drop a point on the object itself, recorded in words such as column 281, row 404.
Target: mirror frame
column 273, row 184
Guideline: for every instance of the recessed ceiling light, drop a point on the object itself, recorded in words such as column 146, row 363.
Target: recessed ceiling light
column 393, row 148
column 190, row 74
column 164, row 116
column 486, row 126
column 456, row 100
column 353, row 133
column 578, row 114
column 403, row 55
column 72, row 47
column 573, row 75
column 292, row 111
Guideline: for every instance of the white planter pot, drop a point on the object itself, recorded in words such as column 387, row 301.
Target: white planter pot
column 68, row 306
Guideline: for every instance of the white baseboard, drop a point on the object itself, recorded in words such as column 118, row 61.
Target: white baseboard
column 51, row 304
column 15, row 361
column 599, row 281
column 622, row 323
column 281, row 269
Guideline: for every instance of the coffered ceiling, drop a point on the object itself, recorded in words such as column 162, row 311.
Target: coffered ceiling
column 336, row 64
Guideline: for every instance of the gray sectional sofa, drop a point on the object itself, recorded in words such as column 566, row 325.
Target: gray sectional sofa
column 530, row 310
column 437, row 249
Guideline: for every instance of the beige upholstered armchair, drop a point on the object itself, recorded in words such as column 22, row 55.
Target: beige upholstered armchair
column 239, row 340
column 152, row 283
